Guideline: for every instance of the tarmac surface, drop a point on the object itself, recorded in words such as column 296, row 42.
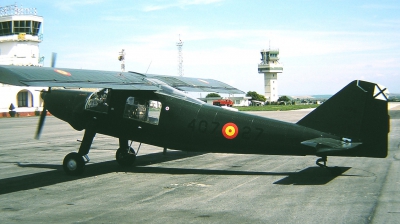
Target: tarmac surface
column 182, row 187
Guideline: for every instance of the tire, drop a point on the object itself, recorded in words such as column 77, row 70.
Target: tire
column 125, row 158
column 73, row 164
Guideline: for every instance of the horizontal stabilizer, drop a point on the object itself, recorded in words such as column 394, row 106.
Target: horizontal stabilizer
column 328, row 146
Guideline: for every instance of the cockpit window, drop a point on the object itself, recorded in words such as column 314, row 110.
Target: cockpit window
column 98, row 101
column 141, row 109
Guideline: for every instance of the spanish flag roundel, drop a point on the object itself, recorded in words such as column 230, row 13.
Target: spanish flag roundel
column 62, row 72
column 230, row 130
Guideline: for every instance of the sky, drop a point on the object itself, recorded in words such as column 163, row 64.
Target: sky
column 323, row 45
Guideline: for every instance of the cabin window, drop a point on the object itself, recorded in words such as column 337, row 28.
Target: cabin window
column 141, row 109
column 98, row 101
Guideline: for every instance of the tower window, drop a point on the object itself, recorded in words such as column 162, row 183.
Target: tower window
column 22, row 26
column 5, row 28
column 35, row 28
column 26, row 26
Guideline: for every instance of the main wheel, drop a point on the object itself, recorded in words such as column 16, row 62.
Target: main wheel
column 73, row 164
column 125, row 157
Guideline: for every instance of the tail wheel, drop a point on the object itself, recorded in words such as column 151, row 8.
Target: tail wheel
column 125, row 156
column 73, row 164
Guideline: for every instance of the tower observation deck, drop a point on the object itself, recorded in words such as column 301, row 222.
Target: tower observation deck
column 20, row 36
column 270, row 67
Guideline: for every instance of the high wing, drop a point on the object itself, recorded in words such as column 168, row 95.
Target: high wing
column 80, row 78
column 188, row 84
column 72, row 78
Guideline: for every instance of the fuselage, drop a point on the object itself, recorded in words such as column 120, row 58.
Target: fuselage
column 181, row 123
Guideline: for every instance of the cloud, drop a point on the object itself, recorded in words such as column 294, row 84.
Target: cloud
column 179, row 4
column 329, row 58
column 380, row 6
column 71, row 4
column 119, row 18
column 157, row 7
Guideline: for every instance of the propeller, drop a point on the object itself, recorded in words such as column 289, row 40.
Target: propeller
column 53, row 59
column 42, row 115
column 43, row 96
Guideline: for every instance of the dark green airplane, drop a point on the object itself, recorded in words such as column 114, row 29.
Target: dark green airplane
column 152, row 109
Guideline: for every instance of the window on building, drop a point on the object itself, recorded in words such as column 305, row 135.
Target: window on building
column 5, row 28
column 22, row 26
column 24, row 98
column 35, row 28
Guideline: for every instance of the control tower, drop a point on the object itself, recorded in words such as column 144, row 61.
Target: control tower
column 20, row 36
column 270, row 66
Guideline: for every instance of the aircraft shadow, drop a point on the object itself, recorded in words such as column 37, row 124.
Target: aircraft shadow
column 313, row 176
column 308, row 176
column 57, row 175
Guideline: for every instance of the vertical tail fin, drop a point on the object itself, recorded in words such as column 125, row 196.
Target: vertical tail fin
column 357, row 112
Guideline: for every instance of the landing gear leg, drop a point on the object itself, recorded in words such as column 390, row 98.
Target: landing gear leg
column 74, row 163
column 125, row 155
column 323, row 159
column 165, row 151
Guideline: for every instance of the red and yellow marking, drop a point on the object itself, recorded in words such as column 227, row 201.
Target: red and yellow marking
column 62, row 72
column 201, row 80
column 230, row 130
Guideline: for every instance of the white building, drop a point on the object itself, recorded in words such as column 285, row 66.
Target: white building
column 20, row 35
column 270, row 66
column 238, row 101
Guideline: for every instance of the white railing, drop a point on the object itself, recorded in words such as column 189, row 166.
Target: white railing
column 13, row 10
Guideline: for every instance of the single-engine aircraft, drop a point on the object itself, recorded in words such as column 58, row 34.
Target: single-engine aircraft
column 153, row 109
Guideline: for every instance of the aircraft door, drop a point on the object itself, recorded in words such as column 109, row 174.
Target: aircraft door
column 176, row 122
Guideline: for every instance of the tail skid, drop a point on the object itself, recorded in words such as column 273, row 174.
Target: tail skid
column 358, row 113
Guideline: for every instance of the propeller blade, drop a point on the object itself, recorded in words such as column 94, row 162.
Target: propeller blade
column 41, row 122
column 53, row 59
column 43, row 114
